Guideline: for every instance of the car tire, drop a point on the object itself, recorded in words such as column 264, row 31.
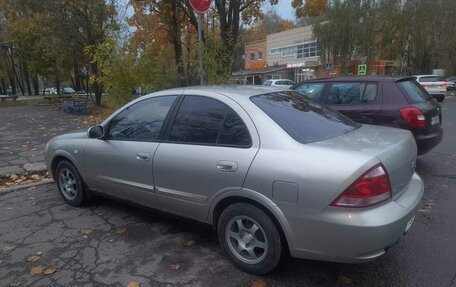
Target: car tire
column 70, row 184
column 250, row 238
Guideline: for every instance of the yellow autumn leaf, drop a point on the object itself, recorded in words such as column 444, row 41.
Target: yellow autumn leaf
column 49, row 271
column 121, row 230
column 37, row 270
column 189, row 243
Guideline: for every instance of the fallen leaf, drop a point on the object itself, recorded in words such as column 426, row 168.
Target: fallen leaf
column 49, row 271
column 33, row 258
column 14, row 177
column 37, row 270
column 344, row 280
column 39, row 253
column 35, row 176
column 16, row 283
column 133, row 284
column 189, row 243
column 8, row 248
column 258, row 283
column 86, row 231
column 121, row 230
column 176, row 266
column 9, row 208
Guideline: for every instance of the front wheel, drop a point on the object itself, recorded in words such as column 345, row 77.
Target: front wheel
column 250, row 238
column 70, row 184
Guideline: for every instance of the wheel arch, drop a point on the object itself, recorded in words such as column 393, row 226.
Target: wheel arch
column 258, row 200
column 60, row 156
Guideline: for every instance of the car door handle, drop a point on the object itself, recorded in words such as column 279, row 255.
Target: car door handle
column 143, row 156
column 366, row 114
column 226, row 165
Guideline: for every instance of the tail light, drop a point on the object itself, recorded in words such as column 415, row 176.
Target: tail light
column 443, row 85
column 372, row 188
column 423, row 85
column 414, row 117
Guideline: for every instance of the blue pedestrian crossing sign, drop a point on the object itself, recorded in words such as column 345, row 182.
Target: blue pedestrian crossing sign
column 362, row 70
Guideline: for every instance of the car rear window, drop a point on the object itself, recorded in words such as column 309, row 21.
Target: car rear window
column 431, row 79
column 303, row 119
column 413, row 91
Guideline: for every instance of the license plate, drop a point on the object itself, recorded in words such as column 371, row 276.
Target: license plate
column 435, row 120
column 409, row 223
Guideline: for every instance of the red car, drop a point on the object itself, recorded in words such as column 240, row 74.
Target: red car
column 385, row 101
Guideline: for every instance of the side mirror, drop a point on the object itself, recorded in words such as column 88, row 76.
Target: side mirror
column 95, row 132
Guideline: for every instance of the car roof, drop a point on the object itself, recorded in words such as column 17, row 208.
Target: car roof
column 420, row 76
column 233, row 91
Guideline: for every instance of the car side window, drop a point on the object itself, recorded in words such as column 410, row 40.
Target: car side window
column 351, row 93
column 311, row 90
column 202, row 120
column 141, row 121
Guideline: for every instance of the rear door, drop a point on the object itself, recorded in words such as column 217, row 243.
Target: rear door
column 208, row 150
column 360, row 101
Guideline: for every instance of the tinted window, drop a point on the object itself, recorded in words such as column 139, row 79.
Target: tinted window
column 413, row 91
column 311, row 90
column 303, row 119
column 234, row 131
column 141, row 121
column 205, row 120
column 431, row 79
column 351, row 93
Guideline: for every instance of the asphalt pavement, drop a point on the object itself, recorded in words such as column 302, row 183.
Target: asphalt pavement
column 110, row 243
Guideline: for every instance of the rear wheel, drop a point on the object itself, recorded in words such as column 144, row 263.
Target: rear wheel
column 70, row 184
column 250, row 238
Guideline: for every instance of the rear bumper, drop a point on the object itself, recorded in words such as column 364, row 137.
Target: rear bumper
column 352, row 235
column 427, row 142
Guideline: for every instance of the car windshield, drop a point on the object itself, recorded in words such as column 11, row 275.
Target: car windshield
column 413, row 91
column 303, row 119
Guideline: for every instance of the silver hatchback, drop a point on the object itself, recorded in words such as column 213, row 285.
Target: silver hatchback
column 271, row 170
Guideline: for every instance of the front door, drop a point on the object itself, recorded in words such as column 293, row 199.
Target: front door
column 121, row 164
column 208, row 151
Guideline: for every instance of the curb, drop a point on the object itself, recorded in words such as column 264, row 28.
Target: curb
column 25, row 185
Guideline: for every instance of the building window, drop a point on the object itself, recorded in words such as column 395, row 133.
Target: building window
column 300, row 51
column 307, row 50
column 260, row 55
column 252, row 56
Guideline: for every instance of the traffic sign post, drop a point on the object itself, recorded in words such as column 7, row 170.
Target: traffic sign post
column 200, row 7
column 362, row 70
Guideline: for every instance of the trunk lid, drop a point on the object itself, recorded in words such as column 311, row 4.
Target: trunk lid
column 394, row 148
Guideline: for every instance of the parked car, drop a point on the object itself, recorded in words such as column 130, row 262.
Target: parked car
column 434, row 85
column 319, row 184
column 282, row 83
column 451, row 83
column 50, row 91
column 69, row 91
column 400, row 103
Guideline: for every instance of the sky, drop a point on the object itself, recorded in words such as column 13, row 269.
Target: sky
column 284, row 9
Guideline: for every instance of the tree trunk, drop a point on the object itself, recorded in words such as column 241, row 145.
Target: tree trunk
column 27, row 78
column 177, row 43
column 36, row 85
column 57, row 84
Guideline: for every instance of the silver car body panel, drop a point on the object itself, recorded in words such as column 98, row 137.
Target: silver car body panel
column 295, row 182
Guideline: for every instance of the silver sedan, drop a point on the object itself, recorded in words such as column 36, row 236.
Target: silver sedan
column 271, row 170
